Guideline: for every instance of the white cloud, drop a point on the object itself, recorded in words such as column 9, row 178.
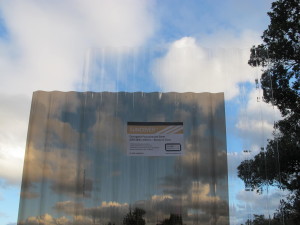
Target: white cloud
column 106, row 212
column 48, row 40
column 161, row 197
column 11, row 165
column 188, row 66
column 234, row 159
column 256, row 119
column 228, row 41
column 69, row 207
column 265, row 203
column 13, row 119
column 45, row 50
column 246, row 204
column 254, row 125
column 198, row 198
column 48, row 219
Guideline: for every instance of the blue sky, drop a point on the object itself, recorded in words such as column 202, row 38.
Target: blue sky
column 132, row 45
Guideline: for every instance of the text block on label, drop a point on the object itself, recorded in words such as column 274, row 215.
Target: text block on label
column 154, row 138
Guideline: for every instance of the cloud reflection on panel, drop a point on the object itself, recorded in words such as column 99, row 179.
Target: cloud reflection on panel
column 157, row 209
column 76, row 166
column 55, row 168
column 54, row 165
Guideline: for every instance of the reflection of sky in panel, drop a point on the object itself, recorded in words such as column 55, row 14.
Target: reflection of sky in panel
column 98, row 169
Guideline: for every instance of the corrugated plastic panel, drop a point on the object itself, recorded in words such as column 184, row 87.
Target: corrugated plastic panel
column 78, row 171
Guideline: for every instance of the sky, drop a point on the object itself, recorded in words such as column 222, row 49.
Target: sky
column 134, row 45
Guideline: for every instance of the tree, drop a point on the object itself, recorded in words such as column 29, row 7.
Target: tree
column 279, row 56
column 135, row 217
column 261, row 220
column 174, row 219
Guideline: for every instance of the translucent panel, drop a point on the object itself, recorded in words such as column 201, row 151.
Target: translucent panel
column 78, row 171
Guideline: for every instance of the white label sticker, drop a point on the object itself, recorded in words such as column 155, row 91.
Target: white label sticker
column 154, row 138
